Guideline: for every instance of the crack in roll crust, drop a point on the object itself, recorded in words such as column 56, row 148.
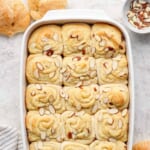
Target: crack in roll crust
column 46, row 127
column 44, row 69
column 113, row 70
column 110, row 124
column 107, row 40
column 39, row 7
column 82, row 98
column 105, row 145
column 79, row 69
column 76, row 38
column 73, row 146
column 45, row 146
column 114, row 96
column 78, row 126
column 43, row 96
column 46, row 39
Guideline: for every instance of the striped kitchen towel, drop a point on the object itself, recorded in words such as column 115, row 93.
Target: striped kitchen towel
column 9, row 139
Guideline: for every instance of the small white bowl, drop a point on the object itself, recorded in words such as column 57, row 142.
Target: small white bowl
column 125, row 10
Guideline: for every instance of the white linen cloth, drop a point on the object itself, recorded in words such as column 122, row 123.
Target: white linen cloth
column 9, row 139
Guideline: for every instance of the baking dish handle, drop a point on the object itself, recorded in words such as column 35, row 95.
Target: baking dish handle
column 75, row 14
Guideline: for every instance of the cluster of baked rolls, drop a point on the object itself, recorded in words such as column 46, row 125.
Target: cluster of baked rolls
column 77, row 95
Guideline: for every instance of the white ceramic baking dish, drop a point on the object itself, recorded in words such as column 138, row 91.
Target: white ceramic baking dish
column 65, row 16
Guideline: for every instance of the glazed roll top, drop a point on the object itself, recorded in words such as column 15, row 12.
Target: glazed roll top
column 46, row 40
column 107, row 41
column 76, row 38
column 78, row 126
column 79, row 70
column 112, row 70
column 44, row 96
column 111, row 125
column 44, row 69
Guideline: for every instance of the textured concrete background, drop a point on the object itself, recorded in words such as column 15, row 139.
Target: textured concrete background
column 10, row 49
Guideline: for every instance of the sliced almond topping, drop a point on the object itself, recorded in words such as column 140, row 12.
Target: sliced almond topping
column 98, row 38
column 39, row 66
column 112, row 140
column 147, row 9
column 39, row 144
column 74, row 136
column 52, row 74
column 38, row 87
column 78, row 107
column 114, row 65
column 113, row 111
column 57, row 63
column 120, row 124
column 82, row 78
column 106, row 100
column 142, row 2
column 93, row 74
column 41, row 111
column 66, row 97
column 106, row 89
column 36, row 146
column 51, row 109
column 93, row 50
column 72, row 66
column 95, row 108
column 55, row 37
column 92, row 63
column 59, row 139
column 80, row 47
column 102, row 43
column 78, row 84
column 36, row 73
column 124, row 112
column 108, row 71
column 46, row 47
column 44, row 39
column 62, row 94
column 110, row 120
column 97, row 97
column 52, row 131
column 100, row 117
column 81, row 113
column 33, row 93
column 63, row 70
column 118, row 57
column 43, row 135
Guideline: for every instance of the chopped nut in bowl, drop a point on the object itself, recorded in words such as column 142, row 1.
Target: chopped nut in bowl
column 136, row 15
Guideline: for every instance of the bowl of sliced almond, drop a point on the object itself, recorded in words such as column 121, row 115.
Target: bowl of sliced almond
column 136, row 15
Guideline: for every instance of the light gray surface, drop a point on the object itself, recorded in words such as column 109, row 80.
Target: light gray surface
column 10, row 60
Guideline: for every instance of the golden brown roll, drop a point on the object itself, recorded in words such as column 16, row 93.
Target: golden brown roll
column 44, row 69
column 44, row 97
column 79, row 70
column 38, row 8
column 114, row 96
column 76, row 37
column 78, row 127
column 43, row 127
column 46, row 39
column 44, row 146
column 73, row 146
column 107, row 40
column 143, row 145
column 82, row 98
column 105, row 145
column 14, row 17
column 112, row 125
column 113, row 70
